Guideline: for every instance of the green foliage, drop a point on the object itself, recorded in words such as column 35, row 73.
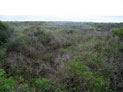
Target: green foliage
column 19, row 43
column 62, row 50
column 6, row 84
column 2, row 72
column 62, row 89
column 41, row 37
column 100, row 84
column 77, row 68
column 80, row 75
column 118, row 32
column 2, row 52
column 43, row 85
column 19, row 72
column 71, row 57
column 47, row 57
column 65, row 50
column 23, row 87
column 5, row 33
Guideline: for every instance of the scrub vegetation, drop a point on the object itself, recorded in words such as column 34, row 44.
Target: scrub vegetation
column 61, row 57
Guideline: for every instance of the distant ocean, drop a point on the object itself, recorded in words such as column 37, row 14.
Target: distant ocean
column 60, row 18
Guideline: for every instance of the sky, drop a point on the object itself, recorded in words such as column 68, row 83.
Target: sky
column 60, row 9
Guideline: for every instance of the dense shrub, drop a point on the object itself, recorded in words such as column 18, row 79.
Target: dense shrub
column 79, row 78
column 43, row 85
column 18, row 43
column 118, row 32
column 60, row 57
column 5, row 33
column 6, row 84
column 23, row 87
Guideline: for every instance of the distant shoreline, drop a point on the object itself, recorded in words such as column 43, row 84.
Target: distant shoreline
column 37, row 18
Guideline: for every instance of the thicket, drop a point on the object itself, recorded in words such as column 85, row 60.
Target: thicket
column 61, row 57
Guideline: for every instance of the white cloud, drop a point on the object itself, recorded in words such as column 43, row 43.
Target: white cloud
column 75, row 8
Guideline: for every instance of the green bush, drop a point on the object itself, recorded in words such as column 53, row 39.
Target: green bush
column 17, row 44
column 5, row 33
column 118, row 32
column 77, row 68
column 62, row 50
column 6, row 84
column 43, row 85
column 24, row 87
column 41, row 37
column 2, row 52
column 80, row 78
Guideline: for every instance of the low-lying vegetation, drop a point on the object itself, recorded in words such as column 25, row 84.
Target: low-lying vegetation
column 61, row 57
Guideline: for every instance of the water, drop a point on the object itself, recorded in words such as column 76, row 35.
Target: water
column 61, row 18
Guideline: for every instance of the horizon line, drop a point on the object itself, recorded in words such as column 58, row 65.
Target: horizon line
column 61, row 18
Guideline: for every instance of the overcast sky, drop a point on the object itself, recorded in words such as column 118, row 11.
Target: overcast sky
column 62, row 8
